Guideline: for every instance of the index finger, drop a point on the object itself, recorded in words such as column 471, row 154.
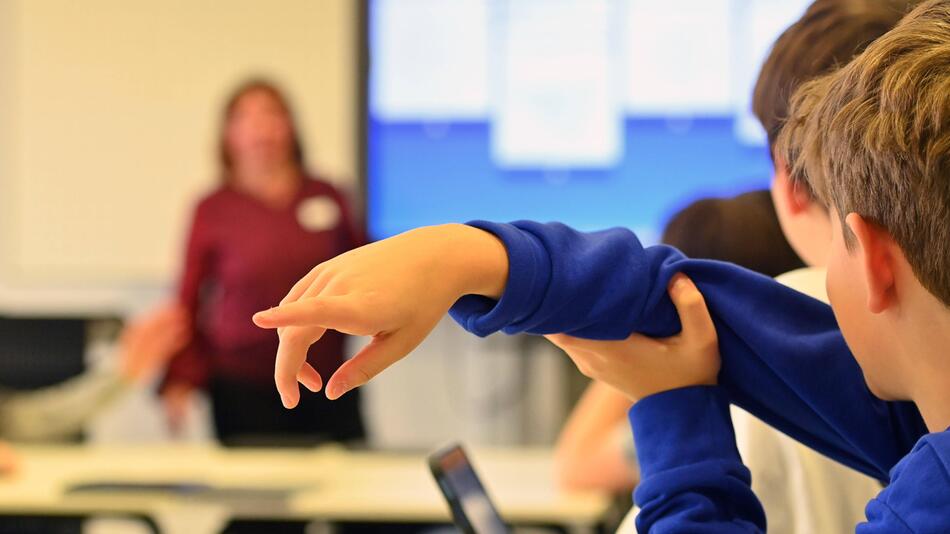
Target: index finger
column 337, row 313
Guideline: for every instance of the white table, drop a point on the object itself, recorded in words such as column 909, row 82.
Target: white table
column 328, row 485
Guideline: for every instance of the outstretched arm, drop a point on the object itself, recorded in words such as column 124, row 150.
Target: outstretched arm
column 548, row 278
column 606, row 286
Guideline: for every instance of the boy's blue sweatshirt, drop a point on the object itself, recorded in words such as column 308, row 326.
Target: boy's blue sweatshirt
column 783, row 359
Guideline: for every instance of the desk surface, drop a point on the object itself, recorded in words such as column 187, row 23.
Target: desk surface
column 328, row 484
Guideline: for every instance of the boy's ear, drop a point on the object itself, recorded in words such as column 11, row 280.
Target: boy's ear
column 875, row 250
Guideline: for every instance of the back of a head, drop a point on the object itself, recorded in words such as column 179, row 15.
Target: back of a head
column 874, row 139
column 827, row 36
column 741, row 230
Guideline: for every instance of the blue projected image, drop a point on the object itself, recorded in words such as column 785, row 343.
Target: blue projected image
column 596, row 113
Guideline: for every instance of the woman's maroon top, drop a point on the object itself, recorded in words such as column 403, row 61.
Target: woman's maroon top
column 243, row 256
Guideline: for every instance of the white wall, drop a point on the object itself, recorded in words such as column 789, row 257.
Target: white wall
column 7, row 125
column 108, row 127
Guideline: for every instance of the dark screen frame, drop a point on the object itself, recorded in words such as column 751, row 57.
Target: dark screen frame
column 362, row 111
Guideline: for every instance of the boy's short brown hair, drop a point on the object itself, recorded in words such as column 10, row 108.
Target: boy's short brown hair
column 827, row 36
column 874, row 138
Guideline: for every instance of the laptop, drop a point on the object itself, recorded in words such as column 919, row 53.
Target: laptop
column 472, row 510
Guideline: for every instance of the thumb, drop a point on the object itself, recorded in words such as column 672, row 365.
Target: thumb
column 691, row 307
column 559, row 340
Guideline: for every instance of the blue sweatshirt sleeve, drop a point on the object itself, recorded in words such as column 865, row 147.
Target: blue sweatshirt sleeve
column 783, row 356
column 691, row 476
column 692, row 479
column 918, row 497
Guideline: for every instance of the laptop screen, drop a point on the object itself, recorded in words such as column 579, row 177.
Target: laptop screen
column 465, row 492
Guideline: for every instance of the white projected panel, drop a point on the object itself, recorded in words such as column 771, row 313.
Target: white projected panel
column 432, row 59
column 678, row 57
column 117, row 108
column 554, row 85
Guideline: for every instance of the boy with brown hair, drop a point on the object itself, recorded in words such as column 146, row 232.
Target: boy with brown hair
column 873, row 143
column 800, row 490
column 885, row 118
column 827, row 36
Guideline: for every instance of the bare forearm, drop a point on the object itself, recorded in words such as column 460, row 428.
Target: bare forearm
column 599, row 410
column 588, row 452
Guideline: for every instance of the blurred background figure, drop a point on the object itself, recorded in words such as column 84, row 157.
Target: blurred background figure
column 266, row 224
column 8, row 459
column 743, row 230
column 60, row 411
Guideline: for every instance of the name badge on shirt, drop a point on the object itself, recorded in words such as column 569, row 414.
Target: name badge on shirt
column 318, row 214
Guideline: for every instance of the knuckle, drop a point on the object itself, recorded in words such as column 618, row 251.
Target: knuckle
column 593, row 368
column 583, row 367
column 568, row 342
column 692, row 300
column 362, row 375
column 710, row 344
column 339, row 285
column 599, row 366
column 282, row 378
column 288, row 334
column 294, row 336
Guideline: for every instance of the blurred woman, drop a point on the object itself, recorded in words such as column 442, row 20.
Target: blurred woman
column 265, row 226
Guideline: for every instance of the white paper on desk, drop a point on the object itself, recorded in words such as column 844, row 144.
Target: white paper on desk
column 553, row 84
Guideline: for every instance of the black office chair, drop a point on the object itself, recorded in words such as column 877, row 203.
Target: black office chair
column 40, row 352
